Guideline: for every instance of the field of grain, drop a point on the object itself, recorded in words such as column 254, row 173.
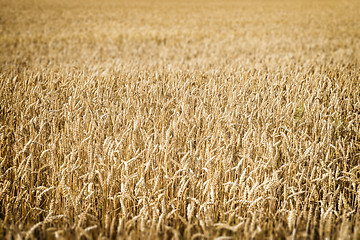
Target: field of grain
column 179, row 119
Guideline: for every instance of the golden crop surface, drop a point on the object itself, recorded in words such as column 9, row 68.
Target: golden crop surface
column 179, row 119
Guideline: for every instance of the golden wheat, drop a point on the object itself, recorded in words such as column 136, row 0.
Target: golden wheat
column 179, row 120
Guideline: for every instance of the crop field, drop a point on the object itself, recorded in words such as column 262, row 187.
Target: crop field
column 174, row 119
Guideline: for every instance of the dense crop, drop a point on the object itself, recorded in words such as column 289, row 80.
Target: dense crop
column 179, row 119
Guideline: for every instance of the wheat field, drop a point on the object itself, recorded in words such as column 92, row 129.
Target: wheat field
column 179, row 119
